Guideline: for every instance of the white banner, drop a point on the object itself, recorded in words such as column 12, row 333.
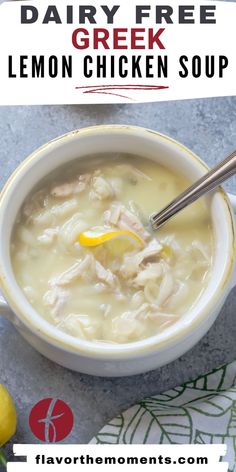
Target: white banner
column 138, row 458
column 114, row 52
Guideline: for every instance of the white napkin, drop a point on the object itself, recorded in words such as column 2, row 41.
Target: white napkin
column 199, row 412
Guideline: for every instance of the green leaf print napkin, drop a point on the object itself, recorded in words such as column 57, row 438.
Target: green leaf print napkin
column 199, row 412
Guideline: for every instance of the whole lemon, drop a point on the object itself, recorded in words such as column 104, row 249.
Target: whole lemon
column 8, row 418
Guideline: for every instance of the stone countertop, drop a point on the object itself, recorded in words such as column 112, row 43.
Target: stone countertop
column 208, row 127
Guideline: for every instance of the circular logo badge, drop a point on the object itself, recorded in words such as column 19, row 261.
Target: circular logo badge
column 51, row 420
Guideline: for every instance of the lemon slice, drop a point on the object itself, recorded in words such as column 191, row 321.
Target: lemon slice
column 7, row 416
column 122, row 239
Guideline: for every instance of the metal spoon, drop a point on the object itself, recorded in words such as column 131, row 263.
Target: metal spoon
column 205, row 184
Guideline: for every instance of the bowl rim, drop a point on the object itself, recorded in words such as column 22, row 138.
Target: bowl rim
column 59, row 339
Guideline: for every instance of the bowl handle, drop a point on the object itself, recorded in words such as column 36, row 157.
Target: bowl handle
column 5, row 310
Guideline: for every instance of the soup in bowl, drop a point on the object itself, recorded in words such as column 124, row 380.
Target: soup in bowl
column 125, row 289
column 134, row 302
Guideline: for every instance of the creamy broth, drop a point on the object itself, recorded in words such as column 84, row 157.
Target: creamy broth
column 116, row 292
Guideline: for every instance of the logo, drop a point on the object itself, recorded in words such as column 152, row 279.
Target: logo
column 51, row 420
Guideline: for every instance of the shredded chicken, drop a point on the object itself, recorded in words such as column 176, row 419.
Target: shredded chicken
column 80, row 325
column 112, row 215
column 137, row 299
column 71, row 188
column 159, row 316
column 117, row 185
column 125, row 327
column 81, row 269
column 166, row 289
column 77, row 270
column 56, row 299
column 131, row 323
column 120, row 216
column 105, row 275
column 153, row 248
column 131, row 262
column 152, row 272
column 101, row 189
column 128, row 220
column 178, row 296
column 48, row 236
column 71, row 229
column 46, row 217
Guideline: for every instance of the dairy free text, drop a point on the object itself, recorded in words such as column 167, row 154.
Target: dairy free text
column 88, row 37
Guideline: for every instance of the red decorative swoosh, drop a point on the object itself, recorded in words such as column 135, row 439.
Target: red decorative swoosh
column 110, row 89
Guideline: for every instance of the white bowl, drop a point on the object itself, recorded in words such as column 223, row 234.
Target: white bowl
column 100, row 358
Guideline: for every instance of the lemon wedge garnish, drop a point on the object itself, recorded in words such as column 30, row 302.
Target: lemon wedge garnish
column 122, row 239
column 7, row 416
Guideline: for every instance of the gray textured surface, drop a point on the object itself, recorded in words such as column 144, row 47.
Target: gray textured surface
column 208, row 127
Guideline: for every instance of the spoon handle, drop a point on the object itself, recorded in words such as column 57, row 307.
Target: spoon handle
column 205, row 184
